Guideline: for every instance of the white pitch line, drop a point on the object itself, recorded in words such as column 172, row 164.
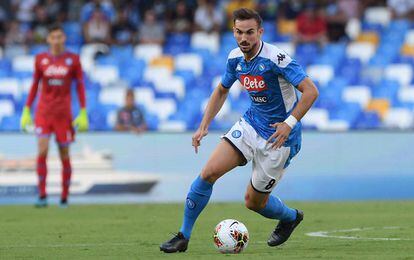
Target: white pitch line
column 328, row 234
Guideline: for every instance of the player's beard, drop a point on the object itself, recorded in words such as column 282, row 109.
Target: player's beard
column 245, row 50
column 57, row 49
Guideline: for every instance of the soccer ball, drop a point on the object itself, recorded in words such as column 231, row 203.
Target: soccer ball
column 231, row 236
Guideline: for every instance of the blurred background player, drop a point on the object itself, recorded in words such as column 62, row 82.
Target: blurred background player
column 130, row 117
column 55, row 69
column 311, row 26
column 269, row 133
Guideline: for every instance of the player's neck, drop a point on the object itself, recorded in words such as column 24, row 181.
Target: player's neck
column 57, row 51
column 254, row 52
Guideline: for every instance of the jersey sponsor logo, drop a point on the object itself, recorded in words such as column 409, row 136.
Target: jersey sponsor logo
column 54, row 70
column 236, row 133
column 238, row 68
column 280, row 58
column 55, row 82
column 259, row 99
column 253, row 83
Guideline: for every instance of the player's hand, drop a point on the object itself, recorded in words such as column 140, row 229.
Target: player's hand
column 26, row 119
column 198, row 135
column 280, row 135
column 81, row 122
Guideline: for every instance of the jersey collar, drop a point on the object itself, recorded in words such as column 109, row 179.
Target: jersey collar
column 258, row 52
column 56, row 56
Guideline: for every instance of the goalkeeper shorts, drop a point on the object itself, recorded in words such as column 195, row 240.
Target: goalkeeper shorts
column 60, row 127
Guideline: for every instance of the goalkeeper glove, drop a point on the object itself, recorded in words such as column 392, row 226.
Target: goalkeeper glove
column 81, row 122
column 26, row 119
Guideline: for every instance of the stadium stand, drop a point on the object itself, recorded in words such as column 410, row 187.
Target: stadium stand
column 365, row 82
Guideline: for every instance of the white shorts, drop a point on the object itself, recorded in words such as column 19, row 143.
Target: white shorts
column 268, row 164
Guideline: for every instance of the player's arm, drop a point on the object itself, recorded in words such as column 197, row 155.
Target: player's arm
column 81, row 122
column 309, row 95
column 140, row 129
column 26, row 118
column 121, row 128
column 140, row 125
column 214, row 105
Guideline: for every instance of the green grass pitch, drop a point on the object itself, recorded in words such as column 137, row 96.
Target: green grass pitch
column 135, row 231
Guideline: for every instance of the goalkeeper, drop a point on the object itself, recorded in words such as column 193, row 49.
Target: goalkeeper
column 56, row 69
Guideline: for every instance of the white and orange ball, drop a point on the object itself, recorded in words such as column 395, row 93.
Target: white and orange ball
column 231, row 236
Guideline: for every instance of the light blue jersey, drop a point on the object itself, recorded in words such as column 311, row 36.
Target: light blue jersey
column 270, row 78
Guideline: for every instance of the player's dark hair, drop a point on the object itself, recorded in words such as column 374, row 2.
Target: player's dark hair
column 242, row 14
column 54, row 27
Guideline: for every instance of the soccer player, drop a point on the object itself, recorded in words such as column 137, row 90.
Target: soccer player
column 55, row 69
column 269, row 133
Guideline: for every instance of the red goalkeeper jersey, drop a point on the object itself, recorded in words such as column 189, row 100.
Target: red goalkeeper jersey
column 56, row 74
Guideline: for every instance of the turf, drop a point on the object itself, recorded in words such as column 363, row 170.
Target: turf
column 135, row 231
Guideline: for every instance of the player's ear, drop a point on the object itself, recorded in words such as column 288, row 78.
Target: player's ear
column 48, row 38
column 260, row 31
column 64, row 36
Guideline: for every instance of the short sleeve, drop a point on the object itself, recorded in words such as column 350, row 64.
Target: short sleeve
column 289, row 68
column 229, row 76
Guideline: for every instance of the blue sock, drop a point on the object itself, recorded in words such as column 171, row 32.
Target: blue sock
column 197, row 199
column 276, row 209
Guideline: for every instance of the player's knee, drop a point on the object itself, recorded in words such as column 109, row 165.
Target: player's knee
column 64, row 155
column 252, row 204
column 63, row 152
column 209, row 174
column 42, row 152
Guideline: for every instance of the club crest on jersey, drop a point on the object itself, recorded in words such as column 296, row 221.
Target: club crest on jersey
column 236, row 134
column 262, row 67
column 68, row 61
column 253, row 83
column 44, row 61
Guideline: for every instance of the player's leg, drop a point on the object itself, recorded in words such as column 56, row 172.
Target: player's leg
column 224, row 158
column 64, row 137
column 66, row 173
column 272, row 207
column 268, row 168
column 41, row 169
column 268, row 205
column 43, row 132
